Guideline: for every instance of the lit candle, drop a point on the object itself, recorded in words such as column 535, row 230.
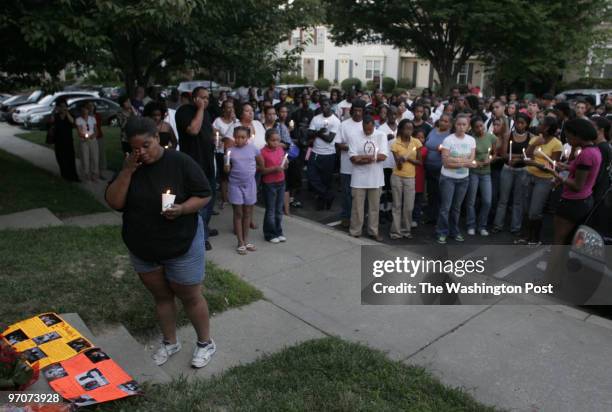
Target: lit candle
column 510, row 151
column 285, row 158
column 578, row 151
column 554, row 164
column 567, row 151
column 217, row 138
column 86, row 135
column 490, row 153
column 325, row 123
column 227, row 158
column 541, row 152
column 376, row 154
column 291, row 123
column 525, row 155
column 474, row 162
column 167, row 200
column 439, row 148
column 253, row 136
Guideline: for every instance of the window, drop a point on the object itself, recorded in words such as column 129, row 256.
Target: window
column 462, row 76
column 373, row 69
column 320, row 36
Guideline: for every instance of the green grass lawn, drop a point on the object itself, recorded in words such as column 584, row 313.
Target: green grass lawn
column 23, row 186
column 70, row 269
column 112, row 144
column 320, row 375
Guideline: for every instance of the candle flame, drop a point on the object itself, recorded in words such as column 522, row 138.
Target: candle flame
column 168, row 191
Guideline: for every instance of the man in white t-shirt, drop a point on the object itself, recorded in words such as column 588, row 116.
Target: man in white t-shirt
column 389, row 128
column 349, row 127
column 322, row 133
column 367, row 152
column 343, row 108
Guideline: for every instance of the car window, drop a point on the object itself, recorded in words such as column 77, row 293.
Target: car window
column 101, row 105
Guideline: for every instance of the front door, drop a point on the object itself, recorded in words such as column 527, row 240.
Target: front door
column 309, row 69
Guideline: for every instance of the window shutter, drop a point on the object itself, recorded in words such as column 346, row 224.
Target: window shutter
column 350, row 68
column 315, row 36
column 470, row 72
column 290, row 36
column 414, row 72
column 336, row 71
column 431, row 75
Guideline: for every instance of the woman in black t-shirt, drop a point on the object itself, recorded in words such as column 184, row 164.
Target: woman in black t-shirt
column 61, row 126
column 166, row 242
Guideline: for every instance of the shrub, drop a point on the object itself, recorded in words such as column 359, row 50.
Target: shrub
column 388, row 84
column 322, row 84
column 405, row 84
column 348, row 84
column 397, row 91
column 292, row 79
column 371, row 86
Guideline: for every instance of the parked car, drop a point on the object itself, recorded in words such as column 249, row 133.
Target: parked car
column 107, row 109
column 214, row 87
column 588, row 278
column 112, row 93
column 598, row 94
column 10, row 105
column 4, row 96
column 45, row 104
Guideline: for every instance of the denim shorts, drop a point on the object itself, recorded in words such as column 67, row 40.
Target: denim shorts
column 187, row 269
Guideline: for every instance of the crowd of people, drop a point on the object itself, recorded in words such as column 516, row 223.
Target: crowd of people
column 411, row 161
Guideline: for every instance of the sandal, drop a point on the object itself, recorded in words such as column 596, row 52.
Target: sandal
column 242, row 250
column 250, row 247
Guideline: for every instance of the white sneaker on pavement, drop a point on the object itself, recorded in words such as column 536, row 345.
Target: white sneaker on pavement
column 282, row 238
column 471, row 232
column 164, row 352
column 484, row 232
column 202, row 355
column 274, row 240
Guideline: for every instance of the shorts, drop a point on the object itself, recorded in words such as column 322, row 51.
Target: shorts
column 187, row 269
column 574, row 210
column 242, row 193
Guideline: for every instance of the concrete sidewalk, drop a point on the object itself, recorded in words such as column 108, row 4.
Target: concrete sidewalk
column 514, row 357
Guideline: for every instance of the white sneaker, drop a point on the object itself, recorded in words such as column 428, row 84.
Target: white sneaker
column 414, row 224
column 164, row 352
column 274, row 240
column 202, row 355
column 471, row 232
column 484, row 232
column 282, row 239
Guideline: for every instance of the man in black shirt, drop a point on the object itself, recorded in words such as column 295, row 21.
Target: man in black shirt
column 194, row 128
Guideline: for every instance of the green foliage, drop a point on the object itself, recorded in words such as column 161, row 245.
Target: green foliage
column 405, row 84
column 351, row 83
column 371, row 86
column 398, row 90
column 388, row 84
column 523, row 38
column 289, row 78
column 585, row 83
column 322, row 84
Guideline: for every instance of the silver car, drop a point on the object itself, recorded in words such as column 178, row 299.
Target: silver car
column 47, row 103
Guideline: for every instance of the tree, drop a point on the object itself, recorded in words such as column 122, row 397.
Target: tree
column 448, row 32
column 143, row 38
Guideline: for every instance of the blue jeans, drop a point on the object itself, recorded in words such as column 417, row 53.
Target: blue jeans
column 347, row 196
column 452, row 193
column 432, row 179
column 512, row 181
column 495, row 189
column 206, row 211
column 537, row 190
column 478, row 183
column 417, row 212
column 274, row 196
column 320, row 174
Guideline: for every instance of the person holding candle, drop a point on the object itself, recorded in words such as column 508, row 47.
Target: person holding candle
column 433, row 165
column 578, row 186
column 458, row 153
column 273, row 178
column 419, row 181
column 165, row 246
column 480, row 179
column 242, row 163
column 86, row 128
column 405, row 151
column 62, row 124
column 323, row 129
column 512, row 179
column 223, row 126
column 542, row 149
column 367, row 153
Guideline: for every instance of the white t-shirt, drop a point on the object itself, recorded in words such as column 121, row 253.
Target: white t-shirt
column 340, row 109
column 458, row 148
column 320, row 146
column 88, row 127
column 408, row 115
column 371, row 175
column 389, row 163
column 348, row 128
column 260, row 133
column 225, row 130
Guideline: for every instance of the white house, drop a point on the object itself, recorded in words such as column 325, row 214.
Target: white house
column 322, row 58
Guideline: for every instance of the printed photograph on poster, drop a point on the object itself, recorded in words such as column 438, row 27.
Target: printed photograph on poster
column 54, row 372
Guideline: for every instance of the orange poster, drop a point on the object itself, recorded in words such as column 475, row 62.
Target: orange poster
column 90, row 377
column 45, row 339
